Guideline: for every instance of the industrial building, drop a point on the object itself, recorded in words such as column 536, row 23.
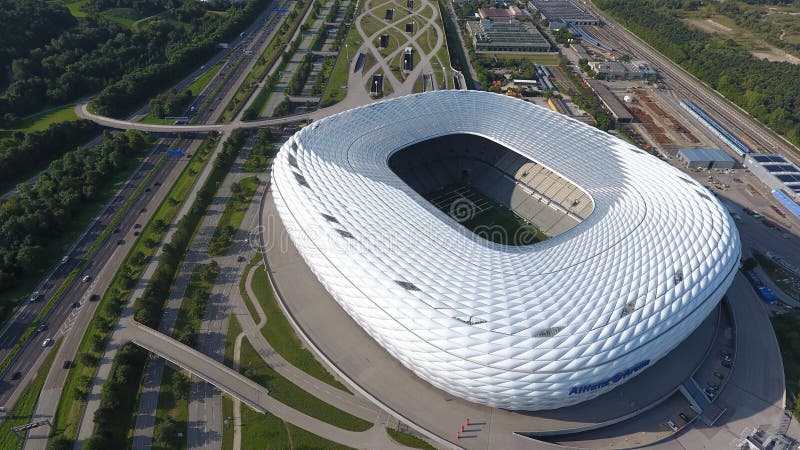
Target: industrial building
column 514, row 36
column 624, row 70
column 528, row 327
column 706, row 158
column 563, row 11
column 611, row 102
column 776, row 172
column 503, row 14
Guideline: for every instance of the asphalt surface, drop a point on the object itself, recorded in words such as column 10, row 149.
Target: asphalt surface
column 61, row 318
column 57, row 321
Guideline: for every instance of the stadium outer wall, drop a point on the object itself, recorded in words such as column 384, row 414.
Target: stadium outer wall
column 376, row 322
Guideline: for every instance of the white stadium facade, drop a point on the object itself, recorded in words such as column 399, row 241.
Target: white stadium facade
column 637, row 254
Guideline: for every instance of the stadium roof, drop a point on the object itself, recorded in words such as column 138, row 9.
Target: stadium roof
column 529, row 327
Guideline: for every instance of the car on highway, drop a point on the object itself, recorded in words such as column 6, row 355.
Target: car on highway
column 17, row 375
column 120, row 241
column 94, row 297
column 76, row 305
column 64, row 259
column 87, row 279
column 47, row 342
column 67, row 364
column 727, row 364
column 672, row 425
column 35, row 297
column 684, row 417
column 42, row 326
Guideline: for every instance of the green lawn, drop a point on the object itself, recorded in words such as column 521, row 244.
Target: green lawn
column 409, row 440
column 201, row 81
column 234, row 329
column 283, row 390
column 123, row 16
column 172, row 411
column 485, row 217
column 337, row 85
column 40, row 121
column 22, row 411
column 193, row 305
column 70, row 407
column 75, row 8
column 281, row 336
column 247, row 300
column 232, row 217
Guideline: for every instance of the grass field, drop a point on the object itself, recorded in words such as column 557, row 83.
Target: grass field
column 280, row 334
column 43, row 120
column 283, row 390
column 765, row 28
column 172, row 411
column 337, row 85
column 195, row 300
column 123, row 16
column 75, row 8
column 409, row 440
column 22, row 411
column 232, row 217
column 483, row 216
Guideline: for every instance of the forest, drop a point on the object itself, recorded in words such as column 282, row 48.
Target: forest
column 767, row 90
column 43, row 211
column 26, row 152
column 73, row 58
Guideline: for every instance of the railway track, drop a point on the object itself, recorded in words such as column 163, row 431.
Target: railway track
column 725, row 112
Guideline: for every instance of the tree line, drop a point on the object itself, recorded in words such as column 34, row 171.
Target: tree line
column 171, row 104
column 767, row 90
column 27, row 25
column 25, row 152
column 123, row 95
column 149, row 307
column 44, row 211
column 80, row 58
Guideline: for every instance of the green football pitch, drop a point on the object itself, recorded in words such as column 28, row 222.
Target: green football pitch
column 484, row 216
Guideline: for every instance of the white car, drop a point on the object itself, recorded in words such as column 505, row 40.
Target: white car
column 87, row 278
column 47, row 342
column 64, row 259
column 35, row 297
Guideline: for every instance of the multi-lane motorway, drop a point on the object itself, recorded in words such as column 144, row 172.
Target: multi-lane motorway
column 80, row 292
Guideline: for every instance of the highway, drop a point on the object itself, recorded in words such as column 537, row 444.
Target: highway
column 58, row 320
column 724, row 111
column 62, row 317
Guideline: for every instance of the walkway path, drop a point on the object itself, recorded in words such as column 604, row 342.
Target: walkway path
column 250, row 393
column 196, row 256
column 355, row 405
column 87, row 424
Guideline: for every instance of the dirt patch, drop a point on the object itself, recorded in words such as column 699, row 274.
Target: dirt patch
column 709, row 25
column 776, row 55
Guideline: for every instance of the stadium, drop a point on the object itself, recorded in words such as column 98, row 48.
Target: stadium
column 502, row 252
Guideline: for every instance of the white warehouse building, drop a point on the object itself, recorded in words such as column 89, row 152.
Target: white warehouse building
column 637, row 254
